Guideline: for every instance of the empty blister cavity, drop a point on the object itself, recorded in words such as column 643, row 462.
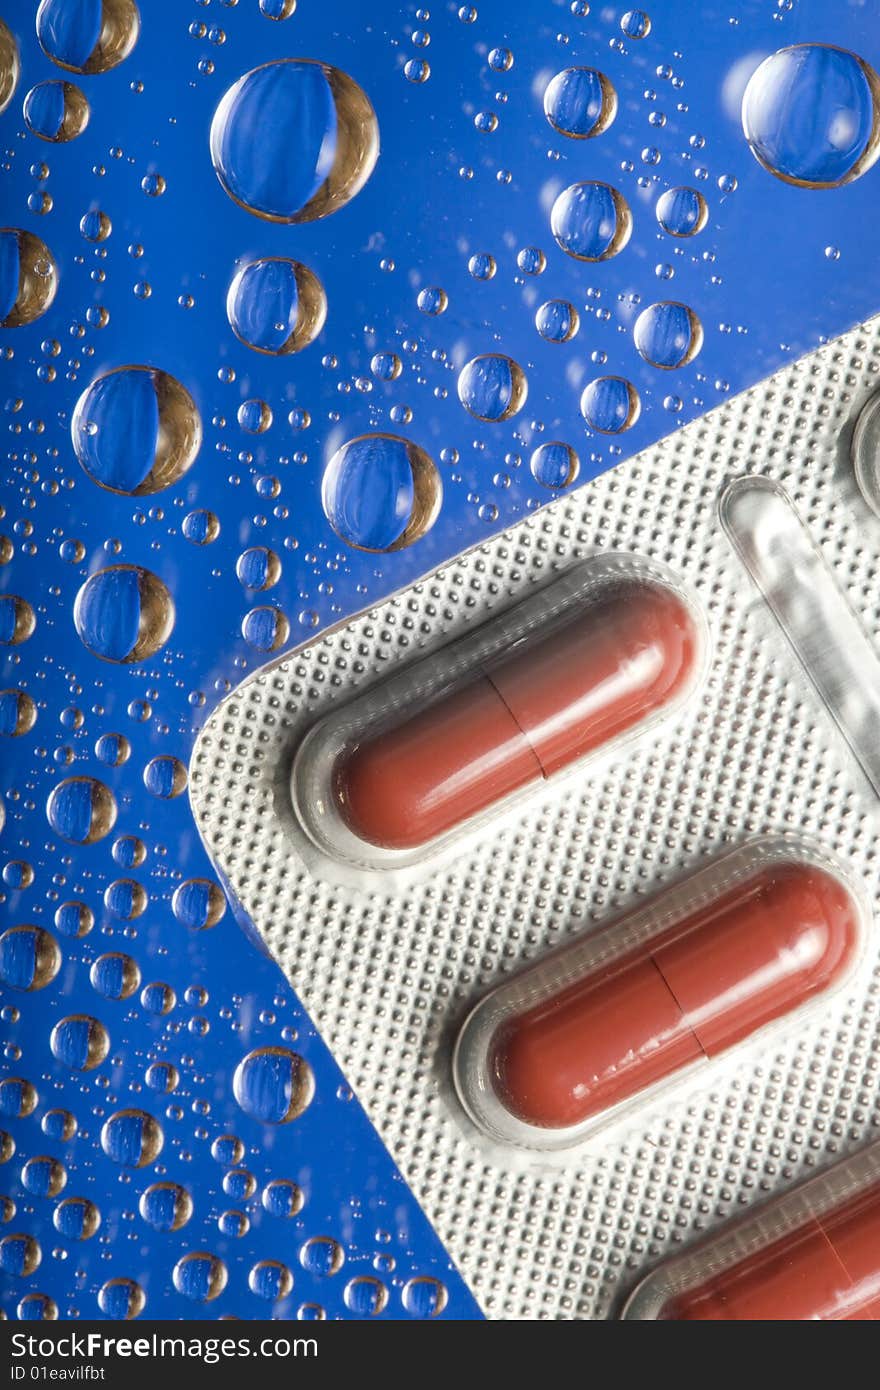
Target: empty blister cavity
column 626, row 1016
column 803, row 596
column 444, row 746
column 812, row 1255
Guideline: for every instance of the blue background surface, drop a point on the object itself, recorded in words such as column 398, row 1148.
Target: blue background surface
column 760, row 280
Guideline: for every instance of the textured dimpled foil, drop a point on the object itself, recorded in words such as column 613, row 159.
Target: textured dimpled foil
column 388, row 972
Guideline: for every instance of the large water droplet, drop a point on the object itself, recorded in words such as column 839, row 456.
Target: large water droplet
column 294, row 140
column 81, row 810
column 88, row 35
column 554, row 464
column 591, row 221
column 283, row 1198
column 365, row 1297
column 580, row 102
column 668, row 335
column 198, row 903
column 424, row 1297
column 44, row 1176
column 76, row 1218
column 10, row 66
column 80, row 1042
column 270, row 1279
column 29, row 958
column 56, row 111
column 121, row 1299
column 18, row 713
column 166, row 1206
column 381, row 492
column 200, row 1276
column 115, row 976
column 19, row 1255
column 557, row 321
column 274, row 1085
column 682, row 212
column 132, row 1138
column 610, row 404
column 28, row 277
column 811, row 115
column 18, row 1098
column 492, row 387
column 276, row 305
column 322, row 1255
column 123, row 614
column 136, row 430
column 17, row 620
column 165, row 777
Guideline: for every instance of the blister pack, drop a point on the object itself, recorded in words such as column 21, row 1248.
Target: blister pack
column 570, row 850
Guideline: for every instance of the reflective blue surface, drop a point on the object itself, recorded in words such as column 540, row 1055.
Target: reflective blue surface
column 253, row 1152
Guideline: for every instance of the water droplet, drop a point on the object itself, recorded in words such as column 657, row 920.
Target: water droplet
column 198, row 903
column 29, row 958
column 123, row 614
column 381, row 492
column 163, row 1077
column 125, row 899
column 636, row 24
column 10, row 66
column 239, row 1184
column 580, row 102
column 59, row 1125
column 482, row 266
column 113, row 750
column 492, row 387
column 158, row 998
column 385, row 366
column 294, row 140
column 500, row 60
column 322, row 1255
column 18, row 713
column 283, row 1198
column 811, row 115
column 28, row 277
column 591, row 221
column 365, row 1296
column 668, row 335
column 37, row 1307
column 276, row 306
column 270, row 1279
column 424, row 1297
column 17, row 620
column 201, row 527
column 254, row 416
column 610, row 404
column 432, row 301
column 557, row 321
column 74, row 919
column 274, row 1085
column 136, row 430
column 531, row 260
column 132, row 1138
column 95, row 225
column 417, row 70
column 165, row 777
column 115, row 976
column 265, row 628
column 81, row 810
column 80, row 1042
column 18, row 874
column 258, row 568
column 18, row 1098
column 44, row 1176
column 20, row 1255
column 200, row 1276
column 277, row 9
column 91, row 37
column 76, row 1218
column 56, row 111
column 554, row 465
column 233, row 1224
column 682, row 212
column 121, row 1299
column 166, row 1206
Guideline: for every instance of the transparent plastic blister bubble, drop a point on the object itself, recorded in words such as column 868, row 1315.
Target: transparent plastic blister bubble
column 811, row 1255
column 449, row 746
column 752, row 763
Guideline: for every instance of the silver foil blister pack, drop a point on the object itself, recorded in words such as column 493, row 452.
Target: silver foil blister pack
column 775, row 741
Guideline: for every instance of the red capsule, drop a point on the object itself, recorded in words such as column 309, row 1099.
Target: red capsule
column 826, row 1269
column 731, row 966
column 625, row 652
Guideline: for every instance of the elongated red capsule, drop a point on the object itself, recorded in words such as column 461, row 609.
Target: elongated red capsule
column 732, row 965
column 626, row 650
